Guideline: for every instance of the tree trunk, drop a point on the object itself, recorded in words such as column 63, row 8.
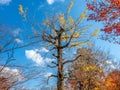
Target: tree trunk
column 60, row 79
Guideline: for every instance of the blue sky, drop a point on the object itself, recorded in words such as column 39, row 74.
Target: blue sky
column 38, row 9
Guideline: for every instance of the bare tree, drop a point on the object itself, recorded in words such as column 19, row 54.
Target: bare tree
column 12, row 74
column 7, row 41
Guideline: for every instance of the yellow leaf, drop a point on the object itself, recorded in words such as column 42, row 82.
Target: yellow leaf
column 65, row 37
column 21, row 9
column 61, row 19
column 46, row 23
column 97, row 89
column 100, row 71
column 86, row 68
column 76, row 35
column 82, row 16
column 97, row 84
column 22, row 12
column 74, row 44
column 95, row 33
column 89, row 68
column 71, row 20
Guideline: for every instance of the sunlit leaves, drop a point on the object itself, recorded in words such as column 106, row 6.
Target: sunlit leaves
column 112, row 81
column 96, row 89
column 116, row 3
column 95, row 33
column 76, row 35
column 61, row 19
column 87, row 71
column 82, row 16
column 71, row 20
column 70, row 7
column 22, row 11
column 74, row 44
column 46, row 23
column 65, row 37
column 90, row 68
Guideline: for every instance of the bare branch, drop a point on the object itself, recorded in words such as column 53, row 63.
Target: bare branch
column 51, row 66
column 69, row 61
column 22, row 46
column 71, row 37
column 54, row 63
column 55, row 55
column 55, row 76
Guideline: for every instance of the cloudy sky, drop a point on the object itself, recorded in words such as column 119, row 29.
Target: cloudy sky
column 38, row 56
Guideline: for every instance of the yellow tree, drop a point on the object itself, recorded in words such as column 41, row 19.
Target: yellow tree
column 86, row 72
column 60, row 34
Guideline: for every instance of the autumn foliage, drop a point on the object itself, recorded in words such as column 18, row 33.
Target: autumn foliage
column 107, row 11
column 5, row 83
column 112, row 82
column 86, row 73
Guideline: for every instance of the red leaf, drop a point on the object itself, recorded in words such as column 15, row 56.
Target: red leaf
column 91, row 7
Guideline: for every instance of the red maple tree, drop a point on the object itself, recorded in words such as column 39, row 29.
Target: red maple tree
column 108, row 12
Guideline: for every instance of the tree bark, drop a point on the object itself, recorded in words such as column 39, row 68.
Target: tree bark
column 60, row 79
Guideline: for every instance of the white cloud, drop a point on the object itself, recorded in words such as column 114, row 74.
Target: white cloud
column 52, row 1
column 111, row 64
column 44, row 50
column 36, row 57
column 47, row 74
column 47, row 60
column 5, row 2
column 12, row 74
column 18, row 40
column 33, row 55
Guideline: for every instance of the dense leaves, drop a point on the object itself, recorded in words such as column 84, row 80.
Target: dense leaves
column 86, row 71
column 112, row 82
column 89, row 72
column 108, row 12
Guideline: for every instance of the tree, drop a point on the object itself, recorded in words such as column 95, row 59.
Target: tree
column 86, row 73
column 60, row 33
column 108, row 12
column 9, row 77
column 4, row 84
column 112, row 81
column 14, row 77
column 12, row 74
column 7, row 41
